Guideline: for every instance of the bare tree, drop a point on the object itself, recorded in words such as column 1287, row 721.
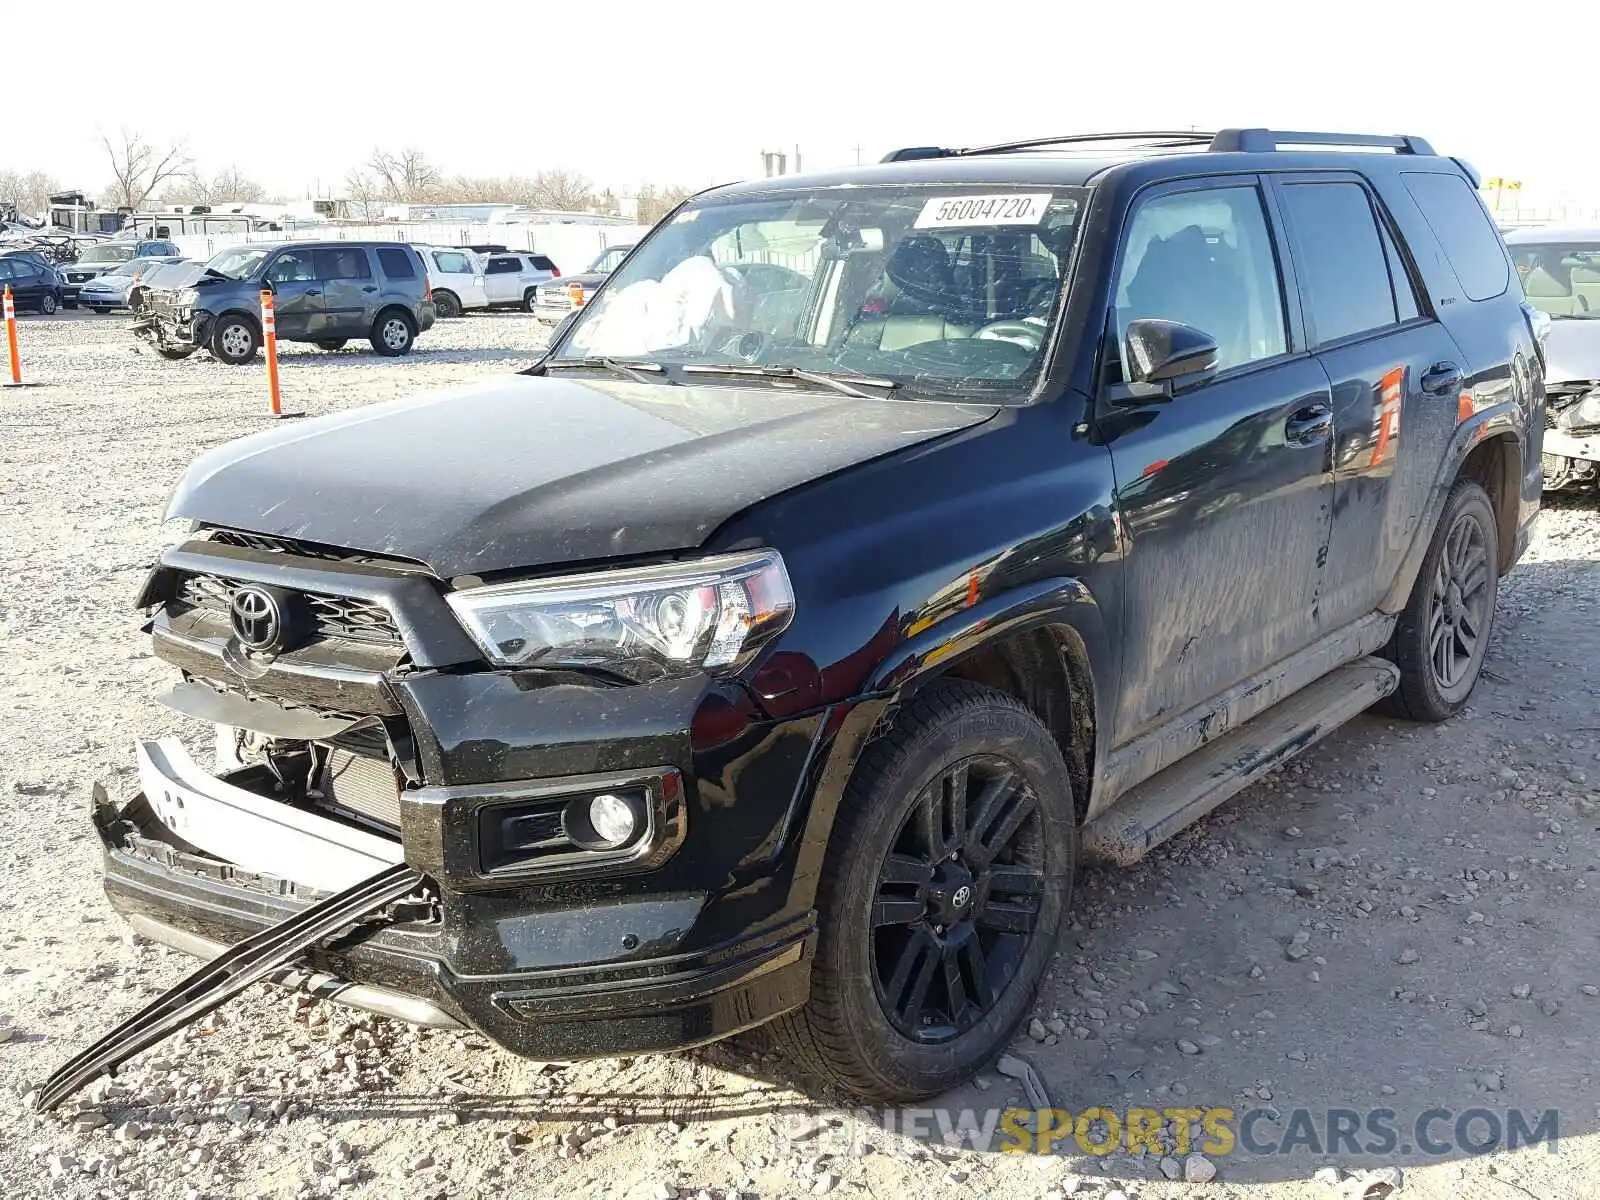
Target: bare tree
column 139, row 167
column 562, row 190
column 230, row 183
column 29, row 192
column 407, row 177
column 655, row 202
column 365, row 195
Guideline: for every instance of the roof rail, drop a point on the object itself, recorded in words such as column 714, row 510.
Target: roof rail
column 1227, row 141
column 1158, row 138
column 1265, row 141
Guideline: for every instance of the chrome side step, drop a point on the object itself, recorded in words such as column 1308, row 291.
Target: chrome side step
column 1175, row 798
column 226, row 976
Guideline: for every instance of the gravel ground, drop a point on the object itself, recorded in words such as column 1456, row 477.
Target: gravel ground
column 1401, row 919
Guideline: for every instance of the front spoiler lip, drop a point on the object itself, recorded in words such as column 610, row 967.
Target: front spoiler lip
column 412, row 1009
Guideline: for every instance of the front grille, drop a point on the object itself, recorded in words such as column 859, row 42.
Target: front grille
column 344, row 617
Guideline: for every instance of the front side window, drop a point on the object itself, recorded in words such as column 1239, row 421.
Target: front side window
column 1204, row 259
column 1561, row 277
column 1339, row 254
column 945, row 289
column 342, row 262
column 292, row 266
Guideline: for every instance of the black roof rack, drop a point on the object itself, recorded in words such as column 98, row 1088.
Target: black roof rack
column 1226, row 141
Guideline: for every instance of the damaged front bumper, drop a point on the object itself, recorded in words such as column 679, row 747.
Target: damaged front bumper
column 189, row 331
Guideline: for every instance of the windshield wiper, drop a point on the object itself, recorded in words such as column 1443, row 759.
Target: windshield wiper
column 850, row 385
column 634, row 369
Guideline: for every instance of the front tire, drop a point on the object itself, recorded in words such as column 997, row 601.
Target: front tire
column 1442, row 635
column 48, row 304
column 175, row 353
column 332, row 343
column 948, row 875
column 234, row 341
column 393, row 334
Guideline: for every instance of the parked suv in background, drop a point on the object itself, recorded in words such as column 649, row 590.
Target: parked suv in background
column 456, row 276
column 555, row 301
column 512, row 279
column 102, row 257
column 876, row 545
column 323, row 292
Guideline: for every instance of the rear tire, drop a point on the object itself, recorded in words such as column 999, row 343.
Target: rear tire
column 393, row 333
column 234, row 340
column 446, row 305
column 48, row 304
column 936, row 916
column 528, row 300
column 1443, row 634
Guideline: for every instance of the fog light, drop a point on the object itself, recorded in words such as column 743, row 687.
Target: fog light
column 612, row 819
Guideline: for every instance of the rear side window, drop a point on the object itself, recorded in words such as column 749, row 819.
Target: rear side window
column 541, row 263
column 344, row 262
column 452, row 262
column 1457, row 218
column 1344, row 272
column 503, row 266
column 396, row 263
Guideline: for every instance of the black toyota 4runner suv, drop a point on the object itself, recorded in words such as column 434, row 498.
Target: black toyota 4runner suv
column 872, row 549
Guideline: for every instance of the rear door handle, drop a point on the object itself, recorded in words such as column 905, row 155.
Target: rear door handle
column 1309, row 425
column 1441, row 379
column 369, row 288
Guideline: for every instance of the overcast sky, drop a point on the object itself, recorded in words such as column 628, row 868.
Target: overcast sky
column 692, row 92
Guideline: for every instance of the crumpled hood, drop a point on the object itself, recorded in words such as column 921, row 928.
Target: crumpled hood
column 1572, row 351
column 182, row 275
column 527, row 472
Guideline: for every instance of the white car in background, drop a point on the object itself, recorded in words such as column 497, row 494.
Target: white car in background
column 456, row 276
column 514, row 278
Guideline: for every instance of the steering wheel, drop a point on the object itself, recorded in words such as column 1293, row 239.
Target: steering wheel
column 1027, row 334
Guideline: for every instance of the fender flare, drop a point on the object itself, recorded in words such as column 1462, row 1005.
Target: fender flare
column 847, row 727
column 1502, row 420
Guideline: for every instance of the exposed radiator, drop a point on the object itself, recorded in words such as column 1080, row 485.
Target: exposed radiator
column 362, row 785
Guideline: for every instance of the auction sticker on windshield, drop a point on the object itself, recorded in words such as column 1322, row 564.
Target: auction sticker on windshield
column 1008, row 208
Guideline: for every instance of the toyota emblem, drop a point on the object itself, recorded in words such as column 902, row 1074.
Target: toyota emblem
column 962, row 896
column 256, row 618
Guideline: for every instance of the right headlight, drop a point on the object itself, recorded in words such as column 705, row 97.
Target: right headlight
column 641, row 623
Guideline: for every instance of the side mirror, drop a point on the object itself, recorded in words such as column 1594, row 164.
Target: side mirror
column 1159, row 355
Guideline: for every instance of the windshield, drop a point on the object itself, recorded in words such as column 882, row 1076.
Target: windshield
column 608, row 260
column 1561, row 278
column 106, row 254
column 238, row 263
column 942, row 289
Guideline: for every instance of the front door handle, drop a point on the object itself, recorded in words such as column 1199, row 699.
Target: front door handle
column 1309, row 425
column 313, row 291
column 369, row 288
column 1441, row 379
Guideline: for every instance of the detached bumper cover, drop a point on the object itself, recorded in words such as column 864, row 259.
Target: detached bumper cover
column 450, row 963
